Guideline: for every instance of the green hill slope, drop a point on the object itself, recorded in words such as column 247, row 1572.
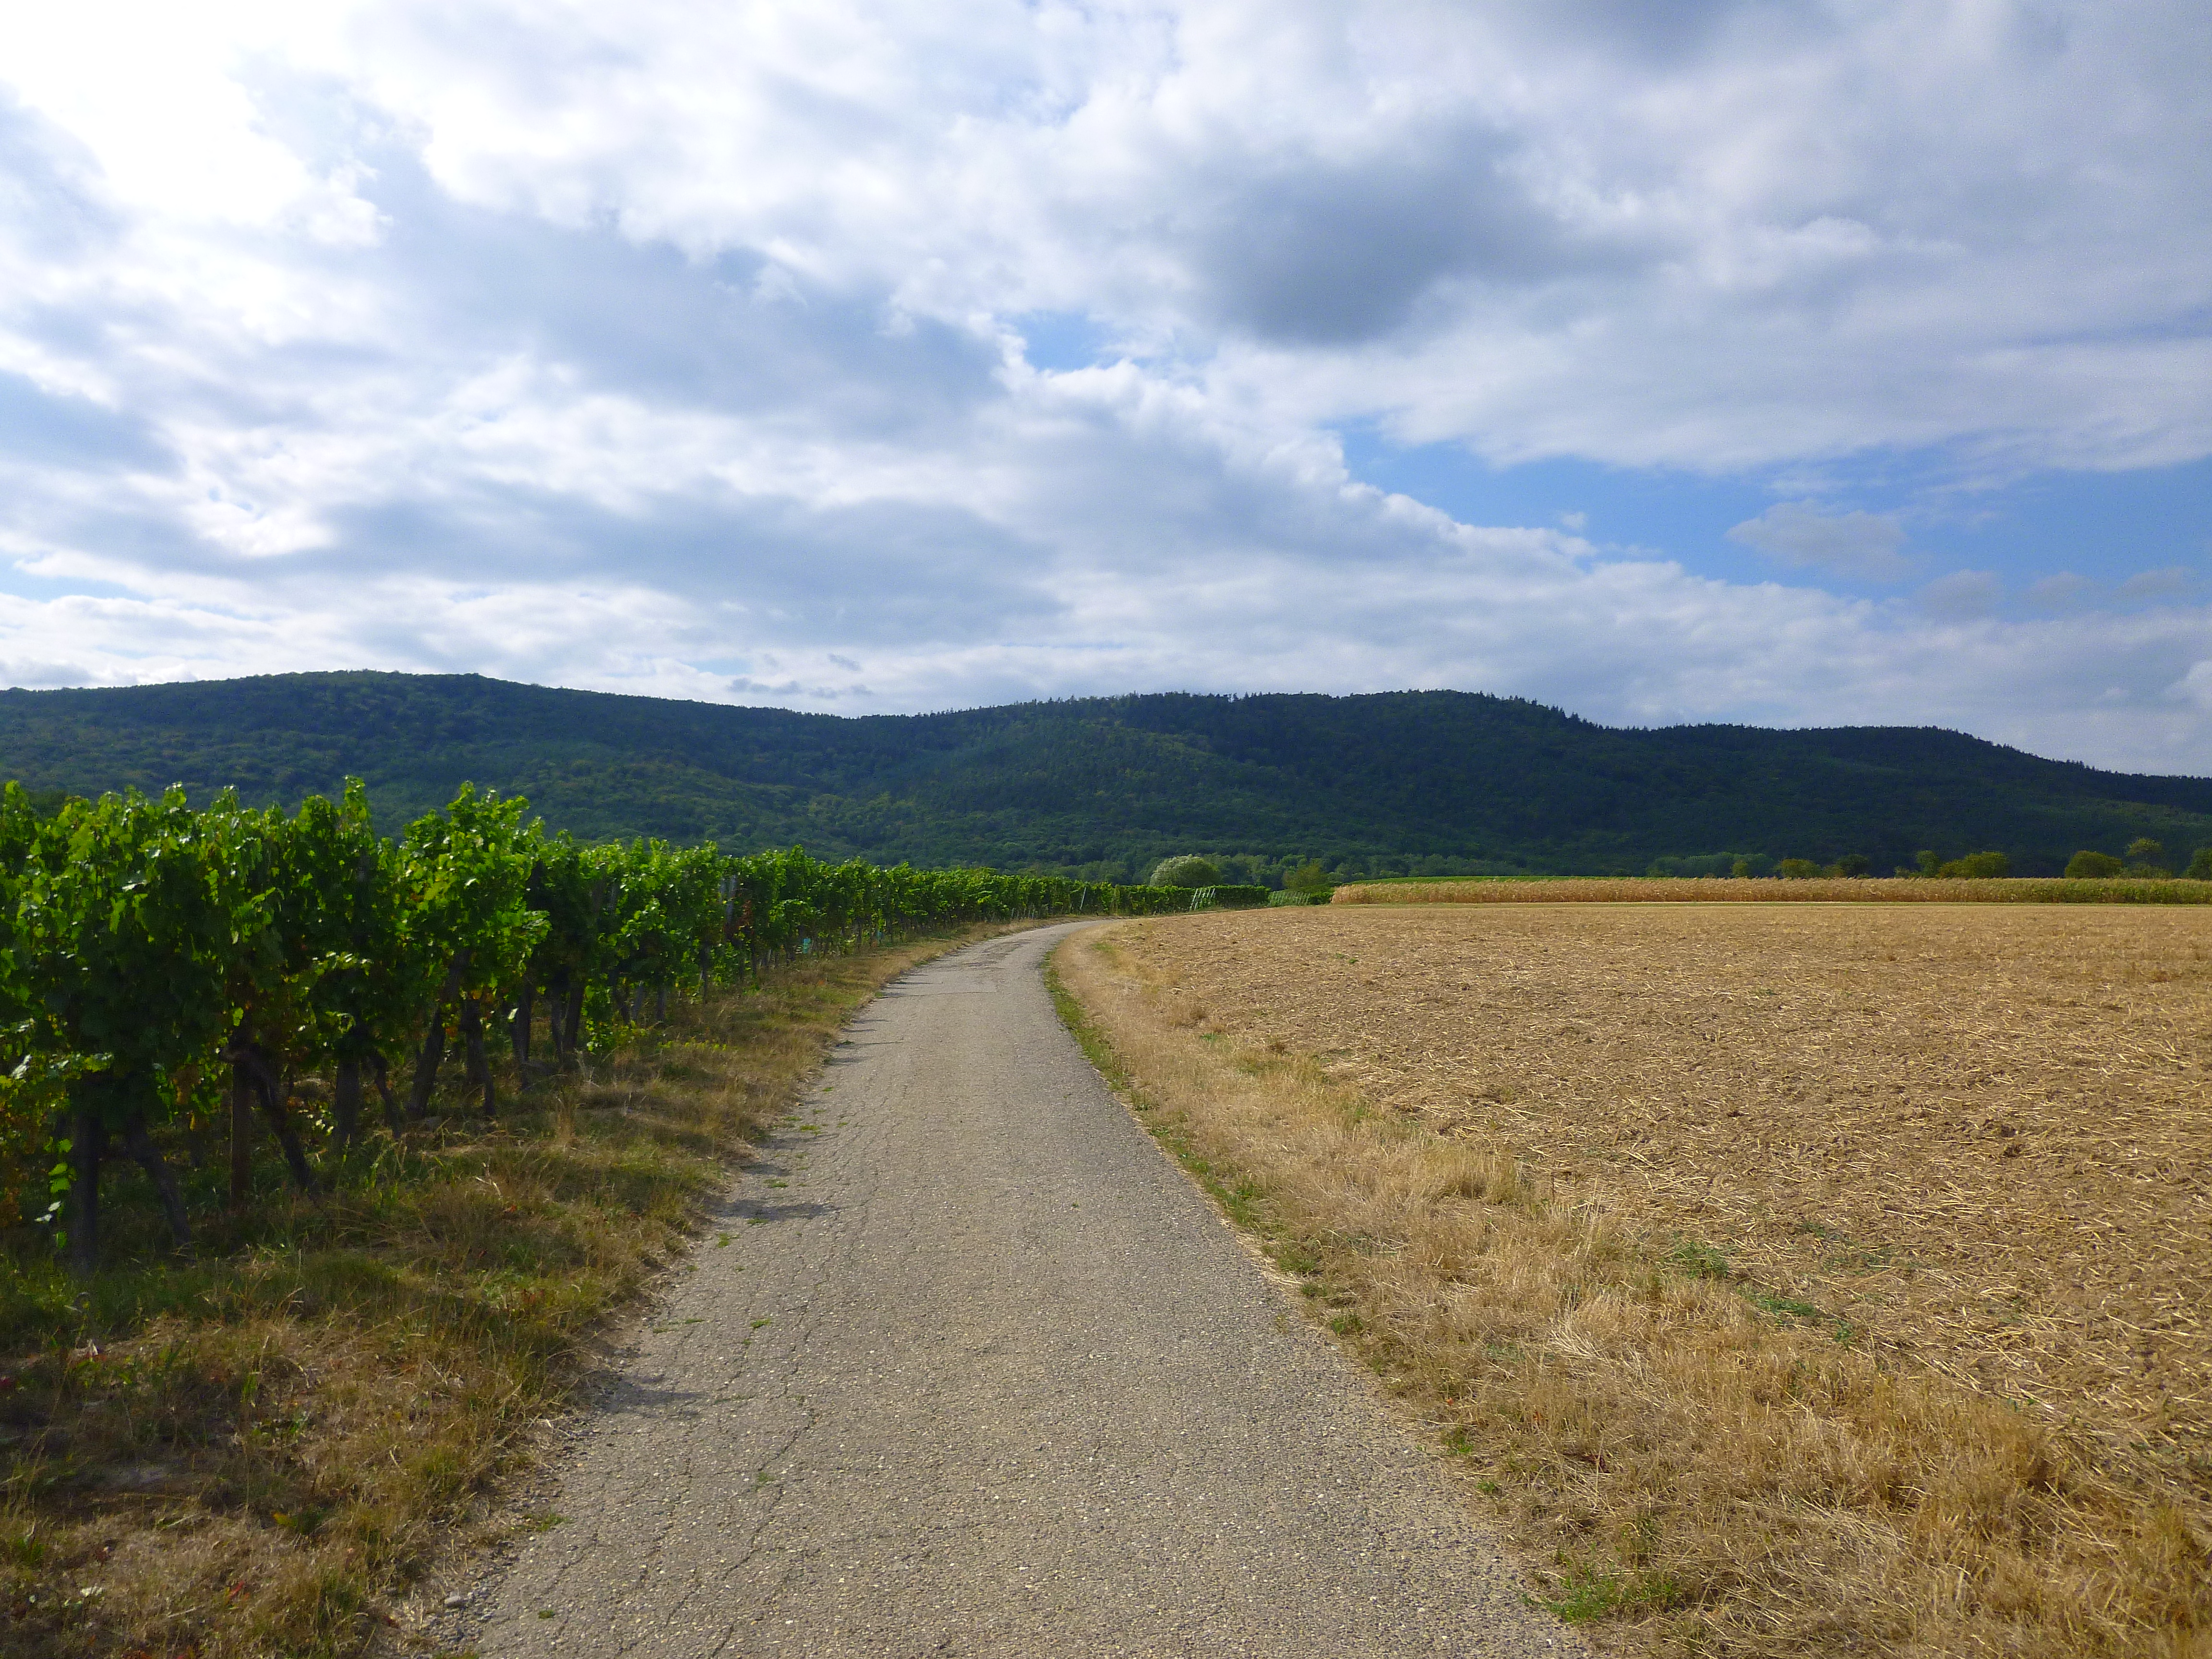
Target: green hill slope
column 1424, row 782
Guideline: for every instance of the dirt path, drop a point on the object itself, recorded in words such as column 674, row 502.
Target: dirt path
column 978, row 1372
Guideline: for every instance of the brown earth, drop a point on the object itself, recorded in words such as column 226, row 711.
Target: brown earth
column 1975, row 1140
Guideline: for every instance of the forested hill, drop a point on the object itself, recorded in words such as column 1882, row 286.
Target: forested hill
column 1419, row 782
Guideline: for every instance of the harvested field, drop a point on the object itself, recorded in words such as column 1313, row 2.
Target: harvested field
column 1980, row 1137
column 1967, row 1149
column 1816, row 890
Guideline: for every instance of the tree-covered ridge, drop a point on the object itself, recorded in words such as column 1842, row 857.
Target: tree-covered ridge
column 1430, row 782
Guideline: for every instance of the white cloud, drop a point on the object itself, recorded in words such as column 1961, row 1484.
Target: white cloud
column 2196, row 686
column 2159, row 583
column 672, row 349
column 1962, row 594
column 1785, row 235
column 1850, row 543
column 2060, row 592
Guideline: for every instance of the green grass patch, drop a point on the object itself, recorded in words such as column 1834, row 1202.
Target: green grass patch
column 1700, row 1261
column 1585, row 1594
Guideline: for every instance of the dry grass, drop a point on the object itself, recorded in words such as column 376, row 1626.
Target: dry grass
column 1792, row 1280
column 254, row 1453
column 1816, row 890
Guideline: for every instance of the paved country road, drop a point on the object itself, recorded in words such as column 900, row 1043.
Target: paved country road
column 978, row 1372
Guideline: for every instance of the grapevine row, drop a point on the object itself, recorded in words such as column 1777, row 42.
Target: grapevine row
column 162, row 963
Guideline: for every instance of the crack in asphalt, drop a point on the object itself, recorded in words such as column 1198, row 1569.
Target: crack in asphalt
column 1018, row 1391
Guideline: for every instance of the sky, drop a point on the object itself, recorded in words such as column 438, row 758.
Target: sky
column 1762, row 361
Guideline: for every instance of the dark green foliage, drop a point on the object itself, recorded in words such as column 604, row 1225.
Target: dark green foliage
column 2200, row 866
column 1411, row 783
column 133, row 920
column 2089, row 866
column 1796, row 869
column 149, row 948
column 343, row 911
column 1227, row 897
column 1977, row 866
column 1184, row 870
column 1852, row 864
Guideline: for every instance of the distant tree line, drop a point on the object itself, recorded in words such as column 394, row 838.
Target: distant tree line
column 2145, row 859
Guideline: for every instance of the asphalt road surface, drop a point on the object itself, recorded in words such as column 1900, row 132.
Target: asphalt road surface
column 968, row 1366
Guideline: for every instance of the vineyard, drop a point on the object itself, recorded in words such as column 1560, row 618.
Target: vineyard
column 171, row 975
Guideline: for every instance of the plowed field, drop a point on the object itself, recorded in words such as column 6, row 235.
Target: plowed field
column 1976, row 1139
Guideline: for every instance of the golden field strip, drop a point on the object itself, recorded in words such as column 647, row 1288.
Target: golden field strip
column 1793, row 1278
column 1818, row 889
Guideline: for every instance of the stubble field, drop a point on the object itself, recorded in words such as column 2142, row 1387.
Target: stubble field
column 1969, row 1147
